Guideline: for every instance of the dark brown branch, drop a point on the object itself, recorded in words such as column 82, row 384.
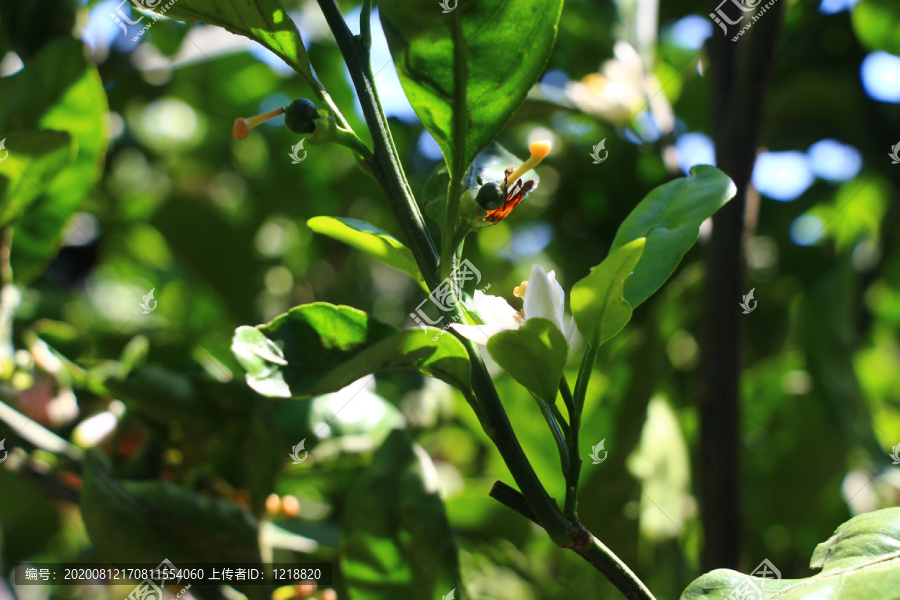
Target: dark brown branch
column 739, row 70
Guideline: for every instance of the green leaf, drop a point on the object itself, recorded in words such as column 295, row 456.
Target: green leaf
column 670, row 217
column 507, row 44
column 33, row 159
column 598, row 300
column 369, row 239
column 146, row 521
column 318, row 348
column 861, row 561
column 77, row 105
column 265, row 21
column 397, row 542
column 534, row 355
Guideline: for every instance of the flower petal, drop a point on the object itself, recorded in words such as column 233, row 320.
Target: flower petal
column 544, row 297
column 478, row 333
column 495, row 310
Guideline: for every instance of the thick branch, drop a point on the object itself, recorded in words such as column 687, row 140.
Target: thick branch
column 387, row 168
column 738, row 74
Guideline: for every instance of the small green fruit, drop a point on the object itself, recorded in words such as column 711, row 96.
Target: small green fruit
column 490, row 196
column 300, row 116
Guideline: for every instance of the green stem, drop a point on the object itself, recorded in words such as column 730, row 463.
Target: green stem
column 511, row 498
column 562, row 443
column 542, row 505
column 458, row 160
column 585, row 545
column 576, row 402
column 365, row 25
column 560, row 419
column 386, row 162
column 584, row 376
column 573, row 468
column 604, row 560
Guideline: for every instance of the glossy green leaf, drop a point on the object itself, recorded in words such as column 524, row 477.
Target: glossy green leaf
column 369, row 239
column 318, row 348
column 506, row 47
column 670, row 217
column 397, row 542
column 877, row 25
column 76, row 103
column 861, row 561
column 146, row 521
column 265, row 21
column 32, row 159
column 534, row 355
column 598, row 300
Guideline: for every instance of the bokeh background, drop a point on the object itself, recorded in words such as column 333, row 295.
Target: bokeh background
column 160, row 196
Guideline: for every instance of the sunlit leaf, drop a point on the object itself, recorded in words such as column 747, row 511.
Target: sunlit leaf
column 598, row 301
column 319, row 348
column 265, row 21
column 534, row 355
column 34, row 158
column 507, row 45
column 369, row 239
column 670, row 217
column 861, row 561
column 75, row 103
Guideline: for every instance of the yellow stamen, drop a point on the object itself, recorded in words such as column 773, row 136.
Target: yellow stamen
column 243, row 126
column 519, row 291
column 539, row 150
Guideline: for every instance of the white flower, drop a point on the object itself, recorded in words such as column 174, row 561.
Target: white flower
column 544, row 298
